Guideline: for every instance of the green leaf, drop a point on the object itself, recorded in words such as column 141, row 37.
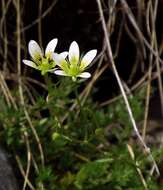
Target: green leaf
column 93, row 174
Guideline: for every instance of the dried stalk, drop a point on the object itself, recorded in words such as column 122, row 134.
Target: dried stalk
column 111, row 60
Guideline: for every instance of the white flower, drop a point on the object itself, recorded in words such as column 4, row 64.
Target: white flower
column 74, row 66
column 40, row 60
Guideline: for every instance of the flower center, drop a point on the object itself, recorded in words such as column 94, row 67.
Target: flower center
column 74, row 70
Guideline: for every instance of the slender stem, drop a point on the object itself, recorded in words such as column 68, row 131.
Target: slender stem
column 77, row 98
column 81, row 111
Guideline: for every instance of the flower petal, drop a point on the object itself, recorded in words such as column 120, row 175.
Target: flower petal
column 74, row 53
column 64, row 54
column 57, row 58
column 85, row 75
column 34, row 50
column 61, row 62
column 60, row 72
column 88, row 58
column 29, row 63
column 51, row 46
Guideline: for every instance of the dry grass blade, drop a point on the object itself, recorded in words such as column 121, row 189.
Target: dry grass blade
column 23, row 172
column 111, row 60
column 137, row 167
column 133, row 22
column 28, row 160
column 20, row 83
column 43, row 15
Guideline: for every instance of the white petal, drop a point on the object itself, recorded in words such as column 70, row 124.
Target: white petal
column 57, row 58
column 51, row 46
column 60, row 72
column 88, row 58
column 85, row 75
column 29, row 63
column 64, row 54
column 74, row 52
column 34, row 49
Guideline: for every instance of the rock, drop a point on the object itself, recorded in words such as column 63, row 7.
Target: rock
column 7, row 177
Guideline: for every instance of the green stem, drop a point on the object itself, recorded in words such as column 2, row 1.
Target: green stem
column 78, row 99
column 82, row 113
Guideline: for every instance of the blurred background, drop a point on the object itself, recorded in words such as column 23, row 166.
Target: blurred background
column 79, row 20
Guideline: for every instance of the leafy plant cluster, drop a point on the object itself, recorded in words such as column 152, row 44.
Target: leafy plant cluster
column 84, row 146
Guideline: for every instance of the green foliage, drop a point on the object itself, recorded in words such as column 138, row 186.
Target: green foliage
column 93, row 174
column 82, row 150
